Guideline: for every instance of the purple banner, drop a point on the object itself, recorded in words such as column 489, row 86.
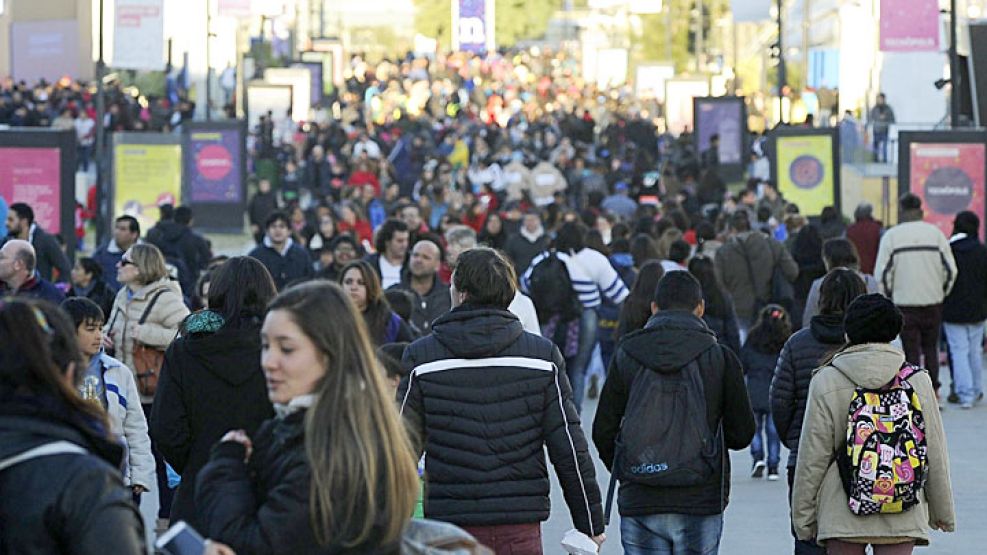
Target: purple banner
column 722, row 118
column 214, row 166
column 472, row 25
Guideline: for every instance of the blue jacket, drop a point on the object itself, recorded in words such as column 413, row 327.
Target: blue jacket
column 37, row 288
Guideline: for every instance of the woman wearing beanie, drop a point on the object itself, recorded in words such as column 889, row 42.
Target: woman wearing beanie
column 820, row 506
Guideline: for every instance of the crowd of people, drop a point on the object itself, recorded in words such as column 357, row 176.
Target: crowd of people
column 443, row 271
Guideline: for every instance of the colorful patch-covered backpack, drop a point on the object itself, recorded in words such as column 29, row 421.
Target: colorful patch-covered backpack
column 884, row 463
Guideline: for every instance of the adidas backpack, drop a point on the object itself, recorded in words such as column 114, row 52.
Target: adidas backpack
column 551, row 290
column 884, row 463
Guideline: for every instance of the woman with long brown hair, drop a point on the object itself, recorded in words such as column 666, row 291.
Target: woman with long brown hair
column 361, row 283
column 333, row 472
column 60, row 481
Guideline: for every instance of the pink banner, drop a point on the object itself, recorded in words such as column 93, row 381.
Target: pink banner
column 949, row 178
column 909, row 25
column 32, row 176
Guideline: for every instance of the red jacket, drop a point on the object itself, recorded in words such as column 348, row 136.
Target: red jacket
column 866, row 236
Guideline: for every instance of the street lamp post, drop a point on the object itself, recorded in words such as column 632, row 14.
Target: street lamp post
column 102, row 199
column 782, row 77
column 954, row 69
column 208, row 62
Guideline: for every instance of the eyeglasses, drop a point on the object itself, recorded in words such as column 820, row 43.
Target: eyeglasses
column 125, row 262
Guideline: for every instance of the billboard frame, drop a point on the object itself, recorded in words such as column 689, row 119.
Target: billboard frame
column 734, row 171
column 65, row 142
column 960, row 137
column 795, row 132
column 223, row 217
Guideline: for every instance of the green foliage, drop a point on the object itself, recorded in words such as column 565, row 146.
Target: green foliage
column 516, row 20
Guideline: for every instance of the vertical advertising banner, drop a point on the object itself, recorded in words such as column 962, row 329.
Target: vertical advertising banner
column 145, row 177
column 213, row 165
column 909, row 25
column 679, row 95
column 44, row 49
column 473, row 25
column 33, row 176
column 138, row 35
column 806, row 169
column 949, row 178
column 723, row 117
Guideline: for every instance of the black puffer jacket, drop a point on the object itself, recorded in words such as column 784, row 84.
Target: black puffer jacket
column 262, row 507
column 487, row 398
column 211, row 383
column 803, row 352
column 67, row 502
column 670, row 341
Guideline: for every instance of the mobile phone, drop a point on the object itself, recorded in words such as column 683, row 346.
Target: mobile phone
column 181, row 539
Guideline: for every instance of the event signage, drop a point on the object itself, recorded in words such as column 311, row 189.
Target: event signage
column 147, row 172
column 473, row 24
column 947, row 170
column 31, row 175
column 725, row 118
column 909, row 25
column 138, row 37
column 215, row 173
column 806, row 167
column 37, row 167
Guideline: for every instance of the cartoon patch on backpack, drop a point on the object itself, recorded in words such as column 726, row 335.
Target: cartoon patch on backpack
column 884, row 463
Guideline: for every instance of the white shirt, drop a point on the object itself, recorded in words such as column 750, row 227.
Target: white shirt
column 591, row 274
column 524, row 309
column 389, row 274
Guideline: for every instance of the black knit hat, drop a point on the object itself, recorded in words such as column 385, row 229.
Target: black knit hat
column 872, row 319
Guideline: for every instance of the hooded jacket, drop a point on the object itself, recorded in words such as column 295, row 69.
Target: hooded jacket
column 127, row 421
column 915, row 265
column 819, row 503
column 160, row 327
column 762, row 253
column 967, row 302
column 486, row 398
column 804, row 351
column 69, row 500
column 669, row 341
column 179, row 241
column 211, row 382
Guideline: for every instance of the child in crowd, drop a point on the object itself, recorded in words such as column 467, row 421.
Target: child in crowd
column 759, row 356
column 110, row 384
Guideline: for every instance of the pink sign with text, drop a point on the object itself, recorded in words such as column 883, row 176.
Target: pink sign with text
column 909, row 25
column 33, row 176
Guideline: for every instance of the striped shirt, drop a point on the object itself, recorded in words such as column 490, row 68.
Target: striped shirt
column 591, row 274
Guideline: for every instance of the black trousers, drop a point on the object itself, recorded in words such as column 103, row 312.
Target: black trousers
column 165, row 494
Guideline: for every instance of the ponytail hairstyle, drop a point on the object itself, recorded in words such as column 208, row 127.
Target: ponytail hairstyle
column 772, row 329
column 38, row 347
column 364, row 476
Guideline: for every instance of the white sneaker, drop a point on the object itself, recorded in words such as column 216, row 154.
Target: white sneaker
column 966, row 405
column 772, row 476
column 758, row 469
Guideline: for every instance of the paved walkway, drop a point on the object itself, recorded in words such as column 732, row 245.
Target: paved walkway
column 757, row 519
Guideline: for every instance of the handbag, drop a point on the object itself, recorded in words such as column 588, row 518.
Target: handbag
column 147, row 359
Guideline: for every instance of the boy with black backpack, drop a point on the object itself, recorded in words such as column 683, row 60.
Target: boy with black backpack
column 673, row 403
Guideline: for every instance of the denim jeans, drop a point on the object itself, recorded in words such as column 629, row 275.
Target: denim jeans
column 576, row 365
column 965, row 352
column 671, row 534
column 881, row 147
column 766, row 424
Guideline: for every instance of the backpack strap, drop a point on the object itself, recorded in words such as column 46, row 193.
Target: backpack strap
column 907, row 371
column 48, row 449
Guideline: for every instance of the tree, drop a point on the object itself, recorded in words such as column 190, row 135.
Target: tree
column 515, row 20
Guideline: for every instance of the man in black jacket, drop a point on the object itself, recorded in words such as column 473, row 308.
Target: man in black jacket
column 287, row 261
column 965, row 309
column 485, row 398
column 176, row 240
column 21, row 225
column 686, row 518
column 431, row 296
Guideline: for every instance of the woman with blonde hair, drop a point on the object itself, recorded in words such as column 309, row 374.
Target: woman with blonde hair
column 333, row 472
column 145, row 317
